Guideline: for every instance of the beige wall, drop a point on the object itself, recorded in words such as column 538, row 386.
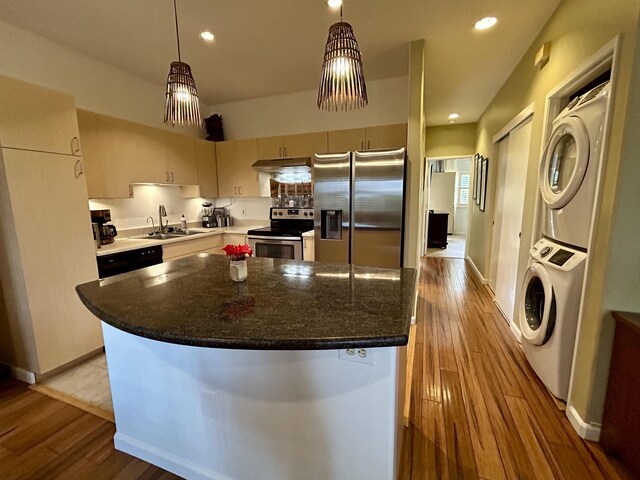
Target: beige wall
column 451, row 140
column 297, row 112
column 416, row 128
column 576, row 31
column 96, row 86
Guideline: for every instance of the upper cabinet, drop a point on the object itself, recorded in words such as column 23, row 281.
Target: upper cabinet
column 118, row 153
column 386, row 136
column 179, row 156
column 207, row 170
column 347, row 140
column 370, row 138
column 236, row 176
column 292, row 146
column 36, row 118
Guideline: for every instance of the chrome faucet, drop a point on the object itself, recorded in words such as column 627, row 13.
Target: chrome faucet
column 153, row 225
column 162, row 213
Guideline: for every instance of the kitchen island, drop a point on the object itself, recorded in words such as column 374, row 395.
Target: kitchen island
column 297, row 373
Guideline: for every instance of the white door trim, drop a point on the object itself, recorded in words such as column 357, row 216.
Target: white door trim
column 517, row 120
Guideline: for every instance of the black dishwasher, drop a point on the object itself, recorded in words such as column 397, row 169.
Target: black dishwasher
column 122, row 262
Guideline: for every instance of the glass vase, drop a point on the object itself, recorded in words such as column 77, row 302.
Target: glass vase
column 238, row 269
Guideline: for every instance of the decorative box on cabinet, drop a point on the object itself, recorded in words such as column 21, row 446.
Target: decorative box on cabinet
column 620, row 434
column 437, row 234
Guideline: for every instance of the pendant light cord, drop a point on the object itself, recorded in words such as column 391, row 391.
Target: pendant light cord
column 340, row 12
column 175, row 13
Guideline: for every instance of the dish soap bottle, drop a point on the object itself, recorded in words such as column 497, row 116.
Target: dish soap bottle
column 183, row 223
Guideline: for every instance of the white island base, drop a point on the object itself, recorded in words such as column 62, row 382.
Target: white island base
column 206, row 413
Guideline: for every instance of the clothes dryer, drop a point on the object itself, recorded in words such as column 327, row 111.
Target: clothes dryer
column 548, row 309
column 569, row 168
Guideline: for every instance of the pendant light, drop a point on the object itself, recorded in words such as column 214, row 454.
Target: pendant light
column 182, row 106
column 342, row 85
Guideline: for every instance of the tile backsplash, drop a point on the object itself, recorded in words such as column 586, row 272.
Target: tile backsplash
column 130, row 213
column 246, row 208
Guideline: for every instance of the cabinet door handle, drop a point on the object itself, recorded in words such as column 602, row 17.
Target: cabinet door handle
column 172, row 177
column 235, row 190
column 75, row 146
column 361, row 144
column 240, row 190
column 166, row 176
column 280, row 152
column 368, row 144
column 77, row 169
column 285, row 151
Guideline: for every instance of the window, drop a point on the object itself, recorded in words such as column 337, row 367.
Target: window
column 463, row 189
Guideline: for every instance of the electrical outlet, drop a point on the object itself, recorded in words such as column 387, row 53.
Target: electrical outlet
column 358, row 355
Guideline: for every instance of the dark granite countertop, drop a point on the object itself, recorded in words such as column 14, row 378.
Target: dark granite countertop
column 283, row 305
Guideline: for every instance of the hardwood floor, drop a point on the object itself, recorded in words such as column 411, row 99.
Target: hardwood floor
column 43, row 438
column 478, row 410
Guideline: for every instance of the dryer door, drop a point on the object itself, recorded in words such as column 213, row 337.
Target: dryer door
column 564, row 162
column 537, row 306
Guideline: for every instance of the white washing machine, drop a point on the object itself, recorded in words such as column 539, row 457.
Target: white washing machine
column 548, row 310
column 569, row 168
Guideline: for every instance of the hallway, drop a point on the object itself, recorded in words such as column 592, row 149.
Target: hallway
column 477, row 408
column 455, row 247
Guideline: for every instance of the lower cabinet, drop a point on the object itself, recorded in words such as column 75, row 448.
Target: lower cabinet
column 308, row 249
column 209, row 244
column 235, row 239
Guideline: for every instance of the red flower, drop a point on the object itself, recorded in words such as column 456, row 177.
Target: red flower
column 238, row 250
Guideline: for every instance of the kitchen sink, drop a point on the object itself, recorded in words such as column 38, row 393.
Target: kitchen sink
column 166, row 236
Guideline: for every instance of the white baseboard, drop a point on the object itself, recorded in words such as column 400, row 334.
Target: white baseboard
column 23, row 375
column 516, row 331
column 163, row 459
column 483, row 280
column 588, row 431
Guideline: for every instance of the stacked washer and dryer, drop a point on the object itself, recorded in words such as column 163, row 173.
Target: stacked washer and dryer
column 552, row 286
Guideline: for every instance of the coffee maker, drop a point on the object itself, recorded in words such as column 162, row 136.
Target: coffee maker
column 105, row 233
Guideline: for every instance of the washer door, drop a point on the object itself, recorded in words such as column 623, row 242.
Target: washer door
column 564, row 162
column 538, row 306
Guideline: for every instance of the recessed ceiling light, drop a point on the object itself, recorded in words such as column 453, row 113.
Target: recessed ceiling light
column 485, row 23
column 334, row 3
column 207, row 36
column 454, row 116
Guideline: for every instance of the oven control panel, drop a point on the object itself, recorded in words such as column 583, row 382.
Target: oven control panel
column 291, row 213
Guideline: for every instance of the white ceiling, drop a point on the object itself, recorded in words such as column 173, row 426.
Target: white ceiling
column 270, row 47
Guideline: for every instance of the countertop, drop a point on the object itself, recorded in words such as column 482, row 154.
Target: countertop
column 310, row 233
column 122, row 244
column 283, row 305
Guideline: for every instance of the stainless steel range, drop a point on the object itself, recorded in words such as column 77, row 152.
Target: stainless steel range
column 283, row 238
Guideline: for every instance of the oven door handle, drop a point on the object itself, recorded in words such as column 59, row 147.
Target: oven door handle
column 290, row 239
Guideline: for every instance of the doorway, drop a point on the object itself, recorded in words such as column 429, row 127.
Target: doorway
column 447, row 214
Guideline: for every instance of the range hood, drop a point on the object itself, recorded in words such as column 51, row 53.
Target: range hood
column 281, row 165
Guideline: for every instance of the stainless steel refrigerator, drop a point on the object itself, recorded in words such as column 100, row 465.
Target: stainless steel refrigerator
column 359, row 207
